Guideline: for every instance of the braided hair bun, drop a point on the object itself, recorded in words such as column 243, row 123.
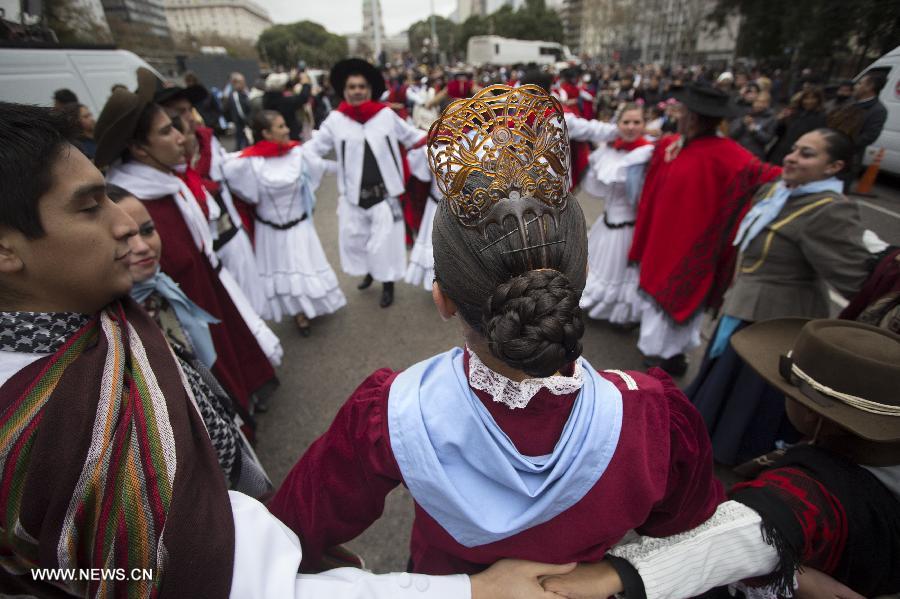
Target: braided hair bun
column 524, row 303
column 533, row 322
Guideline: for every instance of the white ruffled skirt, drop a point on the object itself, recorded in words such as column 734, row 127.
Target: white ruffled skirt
column 238, row 257
column 296, row 276
column 611, row 290
column 420, row 270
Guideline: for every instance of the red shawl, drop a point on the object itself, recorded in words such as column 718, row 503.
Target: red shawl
column 204, row 160
column 398, row 96
column 118, row 475
column 627, row 146
column 241, row 367
column 269, row 149
column 457, row 89
column 687, row 217
column 361, row 113
column 194, row 182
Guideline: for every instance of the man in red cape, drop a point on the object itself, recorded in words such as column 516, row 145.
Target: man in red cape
column 697, row 189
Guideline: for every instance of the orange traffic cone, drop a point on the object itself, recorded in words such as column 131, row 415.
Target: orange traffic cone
column 868, row 179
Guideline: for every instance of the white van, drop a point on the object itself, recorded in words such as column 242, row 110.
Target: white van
column 31, row 75
column 889, row 65
column 496, row 50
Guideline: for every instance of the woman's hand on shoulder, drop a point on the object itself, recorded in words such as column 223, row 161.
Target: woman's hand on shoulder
column 516, row 579
column 587, row 581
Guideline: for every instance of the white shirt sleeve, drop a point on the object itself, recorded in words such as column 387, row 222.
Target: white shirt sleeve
column 238, row 173
column 584, row 130
column 267, row 555
column 406, row 134
column 322, row 140
column 726, row 548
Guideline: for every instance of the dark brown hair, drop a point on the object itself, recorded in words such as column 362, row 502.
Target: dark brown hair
column 523, row 301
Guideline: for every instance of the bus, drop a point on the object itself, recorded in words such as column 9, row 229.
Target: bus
column 496, row 50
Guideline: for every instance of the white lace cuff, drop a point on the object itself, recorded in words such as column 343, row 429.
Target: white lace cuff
column 726, row 548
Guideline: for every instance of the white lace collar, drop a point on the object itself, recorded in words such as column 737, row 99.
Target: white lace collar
column 514, row 394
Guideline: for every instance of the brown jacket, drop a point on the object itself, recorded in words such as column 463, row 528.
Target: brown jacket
column 814, row 240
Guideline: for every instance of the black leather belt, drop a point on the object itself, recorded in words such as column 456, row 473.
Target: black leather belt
column 282, row 226
column 609, row 225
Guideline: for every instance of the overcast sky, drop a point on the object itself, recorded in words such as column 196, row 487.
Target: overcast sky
column 345, row 16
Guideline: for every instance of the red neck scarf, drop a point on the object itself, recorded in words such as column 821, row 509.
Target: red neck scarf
column 194, row 182
column 362, row 112
column 269, row 149
column 627, row 146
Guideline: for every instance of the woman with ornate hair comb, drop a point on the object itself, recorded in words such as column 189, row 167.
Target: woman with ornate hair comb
column 513, row 446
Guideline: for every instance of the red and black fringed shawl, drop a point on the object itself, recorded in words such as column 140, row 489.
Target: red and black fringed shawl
column 105, row 464
column 825, row 512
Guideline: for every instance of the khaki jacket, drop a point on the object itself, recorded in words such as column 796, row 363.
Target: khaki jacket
column 814, row 240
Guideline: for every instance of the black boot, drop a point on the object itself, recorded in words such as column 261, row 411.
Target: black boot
column 676, row 365
column 387, row 295
column 366, row 283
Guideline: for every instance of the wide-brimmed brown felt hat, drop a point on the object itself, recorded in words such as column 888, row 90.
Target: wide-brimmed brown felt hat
column 192, row 93
column 118, row 119
column 846, row 371
column 705, row 100
column 352, row 66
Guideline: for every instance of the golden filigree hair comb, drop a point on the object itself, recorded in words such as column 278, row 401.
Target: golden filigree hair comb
column 504, row 143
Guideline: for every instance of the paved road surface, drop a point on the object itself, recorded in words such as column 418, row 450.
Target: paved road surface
column 321, row 371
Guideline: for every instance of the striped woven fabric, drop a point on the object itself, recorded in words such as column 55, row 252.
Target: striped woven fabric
column 117, row 513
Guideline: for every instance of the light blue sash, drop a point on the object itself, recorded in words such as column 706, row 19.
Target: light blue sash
column 467, row 474
column 193, row 319
column 765, row 211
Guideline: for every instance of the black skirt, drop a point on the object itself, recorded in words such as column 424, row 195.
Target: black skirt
column 744, row 415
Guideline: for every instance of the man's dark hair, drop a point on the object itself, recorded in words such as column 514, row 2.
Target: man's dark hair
column 31, row 140
column 142, row 127
column 877, row 80
column 65, row 96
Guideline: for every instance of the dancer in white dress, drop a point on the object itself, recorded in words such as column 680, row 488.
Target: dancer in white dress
column 420, row 269
column 616, row 175
column 280, row 178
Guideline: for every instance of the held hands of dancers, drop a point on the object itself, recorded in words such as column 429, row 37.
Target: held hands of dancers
column 586, row 581
column 516, row 579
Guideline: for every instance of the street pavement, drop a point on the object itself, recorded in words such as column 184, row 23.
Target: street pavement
column 320, row 372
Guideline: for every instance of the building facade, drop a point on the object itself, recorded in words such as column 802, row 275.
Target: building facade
column 661, row 31
column 373, row 26
column 149, row 15
column 243, row 19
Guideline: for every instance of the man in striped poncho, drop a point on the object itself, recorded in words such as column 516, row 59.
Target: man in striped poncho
column 109, row 484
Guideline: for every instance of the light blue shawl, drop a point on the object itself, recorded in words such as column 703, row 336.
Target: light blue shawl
column 465, row 472
column 194, row 320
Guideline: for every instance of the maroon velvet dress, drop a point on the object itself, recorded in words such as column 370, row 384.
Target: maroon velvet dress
column 660, row 480
column 241, row 366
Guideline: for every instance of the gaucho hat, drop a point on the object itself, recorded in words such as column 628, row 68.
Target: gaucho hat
column 118, row 119
column 192, row 93
column 356, row 66
column 705, row 100
column 845, row 371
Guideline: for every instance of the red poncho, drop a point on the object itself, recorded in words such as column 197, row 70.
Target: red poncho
column 688, row 214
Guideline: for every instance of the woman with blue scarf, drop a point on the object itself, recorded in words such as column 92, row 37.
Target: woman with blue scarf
column 512, row 445
column 800, row 235
column 185, row 325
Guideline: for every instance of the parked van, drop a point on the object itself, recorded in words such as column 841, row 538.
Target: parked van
column 31, row 75
column 493, row 49
column 889, row 65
